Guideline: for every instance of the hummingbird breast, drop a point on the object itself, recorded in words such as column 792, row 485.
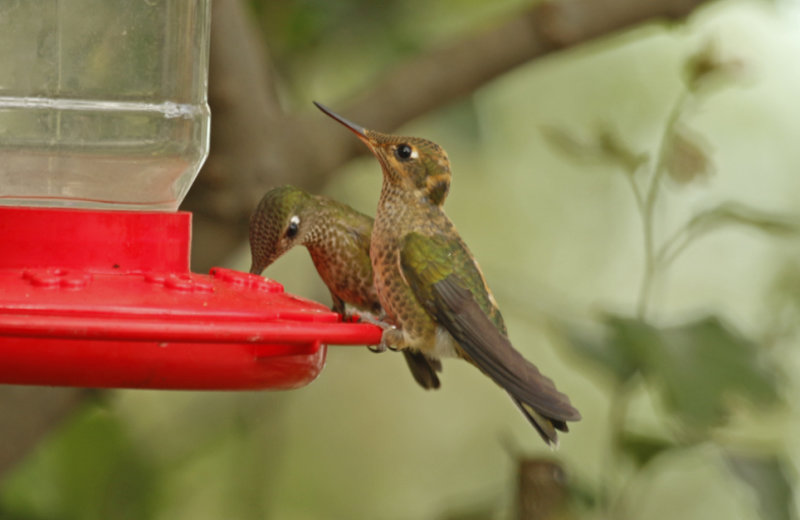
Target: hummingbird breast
column 339, row 249
column 393, row 220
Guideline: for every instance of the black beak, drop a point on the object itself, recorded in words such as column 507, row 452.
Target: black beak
column 359, row 130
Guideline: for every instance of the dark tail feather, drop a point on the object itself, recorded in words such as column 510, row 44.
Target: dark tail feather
column 545, row 426
column 490, row 350
column 423, row 369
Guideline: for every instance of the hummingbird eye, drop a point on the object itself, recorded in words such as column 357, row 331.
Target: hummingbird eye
column 294, row 226
column 404, row 152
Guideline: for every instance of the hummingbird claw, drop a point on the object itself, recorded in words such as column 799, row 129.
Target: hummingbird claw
column 366, row 317
column 393, row 339
column 377, row 349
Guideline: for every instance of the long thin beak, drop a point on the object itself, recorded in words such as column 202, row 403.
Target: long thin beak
column 359, row 130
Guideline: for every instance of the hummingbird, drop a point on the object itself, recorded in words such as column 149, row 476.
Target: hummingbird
column 430, row 286
column 338, row 239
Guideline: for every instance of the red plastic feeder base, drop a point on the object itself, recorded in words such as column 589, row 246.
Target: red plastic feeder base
column 105, row 299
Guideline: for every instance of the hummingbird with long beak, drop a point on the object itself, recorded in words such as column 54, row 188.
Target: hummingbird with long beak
column 430, row 287
column 337, row 238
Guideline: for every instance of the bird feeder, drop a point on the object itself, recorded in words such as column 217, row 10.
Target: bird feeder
column 104, row 125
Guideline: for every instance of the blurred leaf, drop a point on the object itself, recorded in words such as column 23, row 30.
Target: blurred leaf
column 584, row 494
column 768, row 477
column 699, row 366
column 292, row 28
column 643, row 448
column 608, row 146
column 687, row 159
column 568, row 144
column 726, row 214
column 616, row 150
column 784, row 303
column 708, row 67
column 786, row 284
column 90, row 470
column 604, row 351
column 739, row 214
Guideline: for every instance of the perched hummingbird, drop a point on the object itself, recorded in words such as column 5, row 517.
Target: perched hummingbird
column 430, row 286
column 337, row 238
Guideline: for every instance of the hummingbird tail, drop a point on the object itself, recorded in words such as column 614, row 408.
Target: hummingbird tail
column 545, row 426
column 490, row 350
column 423, row 369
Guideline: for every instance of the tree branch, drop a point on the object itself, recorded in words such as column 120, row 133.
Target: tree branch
column 255, row 145
column 542, row 492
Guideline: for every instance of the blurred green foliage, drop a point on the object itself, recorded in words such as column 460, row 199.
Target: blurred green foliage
column 771, row 479
column 90, row 470
column 702, row 367
column 309, row 40
column 697, row 366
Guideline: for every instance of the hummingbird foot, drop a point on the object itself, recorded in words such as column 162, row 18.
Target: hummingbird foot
column 368, row 317
column 393, row 339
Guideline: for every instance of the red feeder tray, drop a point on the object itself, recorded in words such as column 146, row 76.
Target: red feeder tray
column 105, row 299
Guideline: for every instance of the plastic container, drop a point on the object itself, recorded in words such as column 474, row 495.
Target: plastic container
column 102, row 102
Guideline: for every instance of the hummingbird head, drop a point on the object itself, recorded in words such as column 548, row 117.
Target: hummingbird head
column 278, row 224
column 411, row 164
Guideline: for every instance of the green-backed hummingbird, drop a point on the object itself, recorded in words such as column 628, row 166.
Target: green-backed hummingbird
column 430, row 287
column 337, row 238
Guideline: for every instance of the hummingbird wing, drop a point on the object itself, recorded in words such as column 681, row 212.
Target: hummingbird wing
column 446, row 280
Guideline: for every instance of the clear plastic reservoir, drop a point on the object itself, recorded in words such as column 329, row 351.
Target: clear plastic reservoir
column 102, row 102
